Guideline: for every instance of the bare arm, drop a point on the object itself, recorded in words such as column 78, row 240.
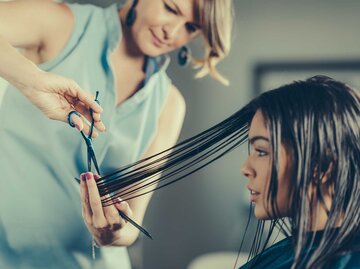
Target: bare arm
column 40, row 28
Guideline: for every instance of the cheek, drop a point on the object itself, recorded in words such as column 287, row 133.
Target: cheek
column 152, row 14
column 264, row 174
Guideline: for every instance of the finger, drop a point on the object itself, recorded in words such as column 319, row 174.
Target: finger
column 111, row 213
column 86, row 130
column 98, row 217
column 113, row 218
column 100, row 126
column 86, row 210
column 124, row 207
column 84, row 111
column 84, row 97
column 77, row 121
column 81, row 125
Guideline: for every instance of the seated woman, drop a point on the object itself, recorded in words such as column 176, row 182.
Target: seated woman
column 303, row 165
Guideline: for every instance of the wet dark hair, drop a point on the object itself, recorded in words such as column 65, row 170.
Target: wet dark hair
column 319, row 122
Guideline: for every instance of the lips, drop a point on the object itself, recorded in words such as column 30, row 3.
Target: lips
column 253, row 194
column 157, row 41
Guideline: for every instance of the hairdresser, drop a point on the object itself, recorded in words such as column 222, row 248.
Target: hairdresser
column 55, row 57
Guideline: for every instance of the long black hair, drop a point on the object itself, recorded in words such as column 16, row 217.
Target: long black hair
column 319, row 122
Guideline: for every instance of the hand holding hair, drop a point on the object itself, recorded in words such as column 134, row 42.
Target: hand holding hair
column 104, row 223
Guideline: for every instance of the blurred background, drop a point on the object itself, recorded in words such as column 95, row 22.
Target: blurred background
column 274, row 42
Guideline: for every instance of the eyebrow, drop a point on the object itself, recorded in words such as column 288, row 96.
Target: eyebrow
column 177, row 7
column 258, row 137
column 195, row 24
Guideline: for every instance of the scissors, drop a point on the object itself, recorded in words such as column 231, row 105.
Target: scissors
column 88, row 140
column 91, row 157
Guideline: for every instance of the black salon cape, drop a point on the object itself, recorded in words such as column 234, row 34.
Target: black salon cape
column 281, row 256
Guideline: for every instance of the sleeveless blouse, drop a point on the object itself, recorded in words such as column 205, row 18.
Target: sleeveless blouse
column 41, row 225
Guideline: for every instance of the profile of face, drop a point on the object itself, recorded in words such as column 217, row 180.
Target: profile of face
column 257, row 169
column 162, row 26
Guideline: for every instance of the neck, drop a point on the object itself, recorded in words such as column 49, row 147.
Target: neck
column 320, row 217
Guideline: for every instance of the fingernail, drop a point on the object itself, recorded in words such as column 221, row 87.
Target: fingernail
column 82, row 176
column 88, row 176
column 97, row 177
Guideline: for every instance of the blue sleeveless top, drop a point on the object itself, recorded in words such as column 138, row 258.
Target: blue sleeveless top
column 41, row 225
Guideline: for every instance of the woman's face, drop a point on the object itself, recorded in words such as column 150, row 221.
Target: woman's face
column 163, row 25
column 257, row 169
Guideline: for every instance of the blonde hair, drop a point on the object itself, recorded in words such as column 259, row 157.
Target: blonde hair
column 216, row 20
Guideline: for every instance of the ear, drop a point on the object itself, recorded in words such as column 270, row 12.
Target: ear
column 324, row 176
column 321, row 189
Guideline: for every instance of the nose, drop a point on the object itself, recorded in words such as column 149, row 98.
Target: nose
column 171, row 30
column 247, row 170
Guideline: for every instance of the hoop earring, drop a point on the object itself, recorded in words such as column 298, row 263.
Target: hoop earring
column 131, row 15
column 183, row 56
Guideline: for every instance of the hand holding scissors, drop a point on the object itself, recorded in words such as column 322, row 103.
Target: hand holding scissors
column 101, row 221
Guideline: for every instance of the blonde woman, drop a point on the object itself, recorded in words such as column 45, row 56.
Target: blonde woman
column 50, row 53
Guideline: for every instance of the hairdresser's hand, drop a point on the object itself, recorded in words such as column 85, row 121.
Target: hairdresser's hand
column 104, row 223
column 56, row 96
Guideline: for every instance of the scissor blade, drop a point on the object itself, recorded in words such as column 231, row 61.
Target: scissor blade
column 95, row 163
column 89, row 159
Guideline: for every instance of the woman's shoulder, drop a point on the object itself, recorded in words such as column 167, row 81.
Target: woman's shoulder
column 279, row 255
column 175, row 100
column 173, row 113
column 347, row 261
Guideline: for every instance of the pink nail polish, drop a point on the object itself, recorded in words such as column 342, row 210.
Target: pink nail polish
column 97, row 177
column 88, row 175
column 82, row 177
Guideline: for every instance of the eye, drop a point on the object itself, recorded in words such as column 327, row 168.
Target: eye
column 191, row 28
column 258, row 152
column 261, row 153
column 169, row 8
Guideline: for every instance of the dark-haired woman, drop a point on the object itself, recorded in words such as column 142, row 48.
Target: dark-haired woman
column 304, row 165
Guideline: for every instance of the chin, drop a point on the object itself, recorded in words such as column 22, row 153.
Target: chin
column 146, row 47
column 150, row 51
column 260, row 213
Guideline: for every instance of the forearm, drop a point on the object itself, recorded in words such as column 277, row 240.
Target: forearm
column 15, row 68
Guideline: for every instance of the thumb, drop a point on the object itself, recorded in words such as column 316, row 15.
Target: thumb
column 124, row 207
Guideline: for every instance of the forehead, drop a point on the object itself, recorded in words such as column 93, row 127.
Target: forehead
column 258, row 126
column 186, row 6
column 190, row 8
